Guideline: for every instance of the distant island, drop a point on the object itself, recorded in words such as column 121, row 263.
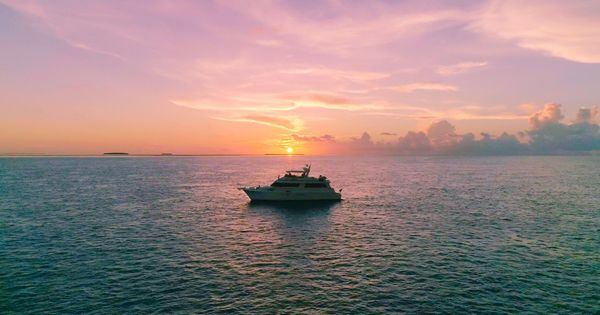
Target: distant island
column 116, row 153
column 166, row 154
column 284, row 153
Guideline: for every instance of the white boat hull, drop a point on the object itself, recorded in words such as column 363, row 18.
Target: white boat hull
column 266, row 194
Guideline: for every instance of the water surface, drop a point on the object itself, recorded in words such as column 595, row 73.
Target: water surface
column 413, row 234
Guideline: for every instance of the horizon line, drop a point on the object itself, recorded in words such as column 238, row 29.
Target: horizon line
column 575, row 153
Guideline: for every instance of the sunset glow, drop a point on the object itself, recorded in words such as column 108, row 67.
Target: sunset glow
column 194, row 77
column 299, row 156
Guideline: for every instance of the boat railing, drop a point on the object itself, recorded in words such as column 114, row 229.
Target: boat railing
column 304, row 172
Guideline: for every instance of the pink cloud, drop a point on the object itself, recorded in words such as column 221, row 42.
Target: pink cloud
column 412, row 87
column 281, row 64
column 565, row 29
column 461, row 67
column 337, row 74
column 551, row 113
column 327, row 100
column 348, row 27
column 286, row 123
column 269, row 42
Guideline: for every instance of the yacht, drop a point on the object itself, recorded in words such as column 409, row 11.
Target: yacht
column 295, row 185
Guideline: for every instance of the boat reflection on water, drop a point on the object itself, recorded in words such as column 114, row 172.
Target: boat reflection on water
column 297, row 224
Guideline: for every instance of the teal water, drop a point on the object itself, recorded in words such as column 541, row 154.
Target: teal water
column 128, row 235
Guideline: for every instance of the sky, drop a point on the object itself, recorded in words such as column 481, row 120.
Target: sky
column 320, row 77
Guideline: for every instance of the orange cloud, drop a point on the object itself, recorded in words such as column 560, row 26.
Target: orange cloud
column 235, row 104
column 299, row 138
column 324, row 100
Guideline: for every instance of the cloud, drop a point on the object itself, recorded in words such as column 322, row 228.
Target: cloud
column 479, row 112
column 564, row 29
column 329, row 144
column 287, row 101
column 550, row 114
column 504, row 144
column 414, row 143
column 52, row 21
column 528, row 108
column 456, row 112
column 323, row 138
column 269, row 42
column 347, row 57
column 388, row 134
column 364, row 140
column 561, row 138
column 460, row 68
column 228, row 104
column 286, row 123
column 327, row 100
column 441, row 133
column 412, row 87
column 547, row 135
column 440, row 138
column 324, row 98
column 347, row 27
column 587, row 115
column 336, row 73
column 364, row 145
column 97, row 51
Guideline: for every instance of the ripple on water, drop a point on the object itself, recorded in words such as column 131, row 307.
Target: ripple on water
column 413, row 235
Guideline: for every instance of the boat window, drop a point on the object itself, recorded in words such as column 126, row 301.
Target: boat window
column 315, row 185
column 278, row 184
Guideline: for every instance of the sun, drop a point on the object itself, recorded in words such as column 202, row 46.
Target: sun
column 290, row 150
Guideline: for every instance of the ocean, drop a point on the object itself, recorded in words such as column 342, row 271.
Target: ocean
column 144, row 235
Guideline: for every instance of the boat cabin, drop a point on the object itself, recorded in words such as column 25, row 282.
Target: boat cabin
column 290, row 179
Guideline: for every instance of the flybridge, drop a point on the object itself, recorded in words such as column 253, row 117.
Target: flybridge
column 304, row 172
